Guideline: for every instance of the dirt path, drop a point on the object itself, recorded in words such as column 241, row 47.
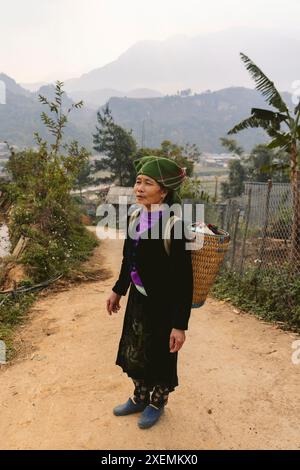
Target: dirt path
column 238, row 386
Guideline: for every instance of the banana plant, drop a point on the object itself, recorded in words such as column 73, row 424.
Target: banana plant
column 283, row 126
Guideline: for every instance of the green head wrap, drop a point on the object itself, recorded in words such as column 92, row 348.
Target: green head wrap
column 163, row 170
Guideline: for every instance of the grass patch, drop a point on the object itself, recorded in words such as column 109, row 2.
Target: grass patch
column 272, row 295
column 13, row 310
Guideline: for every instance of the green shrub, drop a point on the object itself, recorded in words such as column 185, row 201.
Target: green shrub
column 44, row 211
column 271, row 294
column 12, row 312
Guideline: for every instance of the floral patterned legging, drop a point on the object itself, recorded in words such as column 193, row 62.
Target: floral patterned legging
column 159, row 396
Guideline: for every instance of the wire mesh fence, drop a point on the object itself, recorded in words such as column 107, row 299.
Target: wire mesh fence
column 260, row 224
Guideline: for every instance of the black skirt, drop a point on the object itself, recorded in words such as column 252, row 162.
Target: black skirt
column 144, row 351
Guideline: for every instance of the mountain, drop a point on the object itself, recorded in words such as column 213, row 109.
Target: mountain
column 198, row 119
column 96, row 98
column 20, row 117
column 201, row 118
column 33, row 86
column 12, row 87
column 143, row 93
column 207, row 61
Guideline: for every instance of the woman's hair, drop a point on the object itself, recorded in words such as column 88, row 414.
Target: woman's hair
column 169, row 198
column 170, row 201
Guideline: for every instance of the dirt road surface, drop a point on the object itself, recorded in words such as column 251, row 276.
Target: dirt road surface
column 239, row 388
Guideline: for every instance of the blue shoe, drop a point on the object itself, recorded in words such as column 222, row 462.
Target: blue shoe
column 129, row 408
column 150, row 416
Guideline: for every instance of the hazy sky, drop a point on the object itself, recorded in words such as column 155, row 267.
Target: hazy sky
column 43, row 40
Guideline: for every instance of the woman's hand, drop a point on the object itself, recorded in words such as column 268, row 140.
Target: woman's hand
column 177, row 338
column 112, row 303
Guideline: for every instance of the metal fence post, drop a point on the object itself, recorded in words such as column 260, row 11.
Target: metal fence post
column 266, row 222
column 228, row 214
column 236, row 226
column 246, row 230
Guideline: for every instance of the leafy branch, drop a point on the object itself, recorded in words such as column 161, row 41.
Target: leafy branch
column 56, row 123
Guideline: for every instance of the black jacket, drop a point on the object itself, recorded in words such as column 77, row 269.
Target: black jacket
column 167, row 279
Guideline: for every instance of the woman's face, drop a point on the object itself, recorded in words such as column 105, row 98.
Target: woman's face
column 148, row 191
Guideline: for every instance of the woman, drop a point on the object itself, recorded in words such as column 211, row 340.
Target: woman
column 160, row 295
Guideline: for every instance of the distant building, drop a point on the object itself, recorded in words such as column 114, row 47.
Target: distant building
column 4, row 151
column 92, row 192
column 218, row 159
column 4, row 157
column 119, row 195
column 122, row 198
column 97, row 157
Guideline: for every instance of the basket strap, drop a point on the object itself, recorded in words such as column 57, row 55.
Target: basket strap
column 167, row 235
column 133, row 217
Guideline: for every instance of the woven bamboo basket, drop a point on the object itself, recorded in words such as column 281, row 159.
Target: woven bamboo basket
column 206, row 263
